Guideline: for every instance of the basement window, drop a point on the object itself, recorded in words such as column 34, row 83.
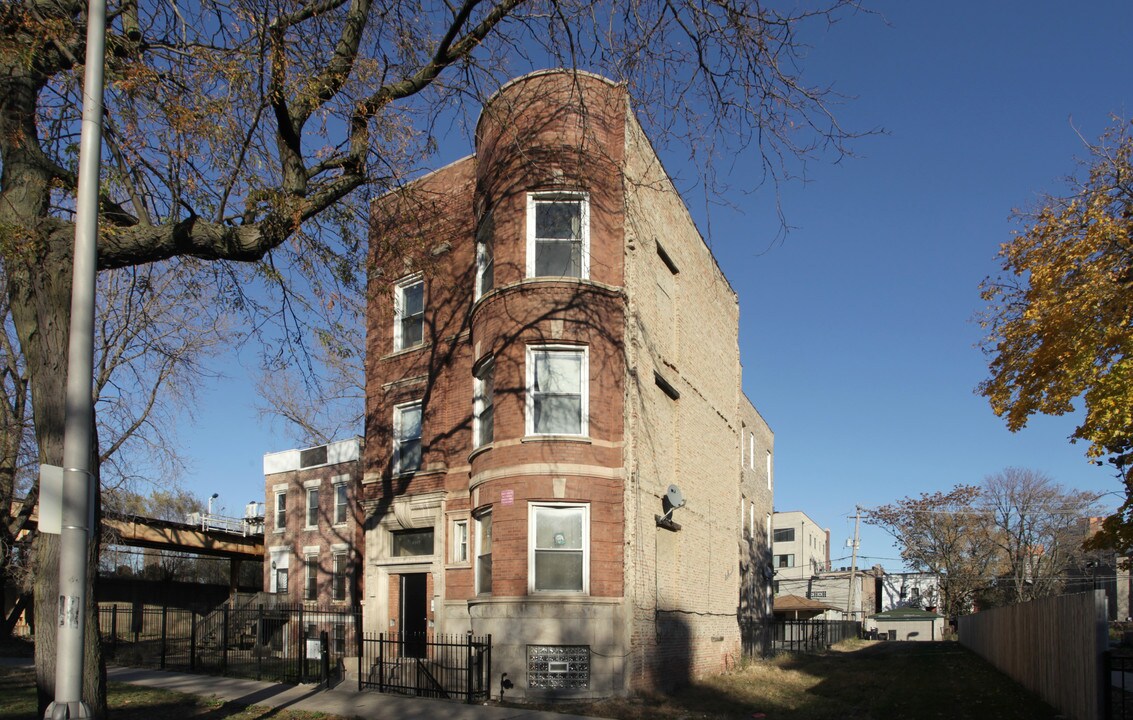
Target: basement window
column 558, row 667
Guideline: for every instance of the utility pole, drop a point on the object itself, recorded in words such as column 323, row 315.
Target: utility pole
column 853, row 561
column 78, row 478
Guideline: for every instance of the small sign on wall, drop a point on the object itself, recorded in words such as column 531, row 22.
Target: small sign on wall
column 507, row 497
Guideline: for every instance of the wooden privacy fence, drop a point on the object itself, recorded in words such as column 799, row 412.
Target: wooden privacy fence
column 1054, row 647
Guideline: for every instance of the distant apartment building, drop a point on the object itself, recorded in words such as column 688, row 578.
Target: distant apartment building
column 312, row 524
column 558, row 450
column 852, row 593
column 800, row 550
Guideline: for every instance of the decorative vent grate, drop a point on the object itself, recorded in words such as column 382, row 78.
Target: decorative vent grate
column 558, row 667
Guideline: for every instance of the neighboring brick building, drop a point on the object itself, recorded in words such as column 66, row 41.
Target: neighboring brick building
column 312, row 525
column 550, row 347
column 757, row 486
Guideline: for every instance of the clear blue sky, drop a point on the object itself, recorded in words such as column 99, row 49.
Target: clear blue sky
column 857, row 331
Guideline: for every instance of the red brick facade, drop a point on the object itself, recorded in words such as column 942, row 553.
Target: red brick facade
column 334, row 536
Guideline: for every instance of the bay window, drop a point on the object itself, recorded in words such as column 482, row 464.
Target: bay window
column 483, row 404
column 558, row 235
column 484, row 553
column 559, row 540
column 558, row 380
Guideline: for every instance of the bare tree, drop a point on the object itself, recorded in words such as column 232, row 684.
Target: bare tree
column 324, row 402
column 240, row 131
column 1038, row 529
column 947, row 534
column 156, row 327
column 151, row 338
column 17, row 466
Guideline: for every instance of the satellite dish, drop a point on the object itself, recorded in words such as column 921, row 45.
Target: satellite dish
column 670, row 501
column 674, row 497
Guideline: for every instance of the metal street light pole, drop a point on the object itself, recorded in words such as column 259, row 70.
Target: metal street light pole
column 78, row 478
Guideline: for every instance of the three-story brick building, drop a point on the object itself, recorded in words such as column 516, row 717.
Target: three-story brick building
column 558, row 449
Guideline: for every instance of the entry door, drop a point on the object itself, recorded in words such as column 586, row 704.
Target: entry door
column 414, row 613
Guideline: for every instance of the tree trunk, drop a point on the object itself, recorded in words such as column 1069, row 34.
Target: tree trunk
column 39, row 286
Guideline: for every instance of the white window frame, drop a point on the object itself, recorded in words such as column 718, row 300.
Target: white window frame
column 584, row 387
column 583, row 198
column 770, row 470
column 310, row 576
column 398, row 411
column 310, row 490
column 340, row 572
column 532, row 509
column 483, row 520
column 340, row 486
column 279, row 509
column 483, row 402
column 485, row 261
column 458, row 553
column 399, row 316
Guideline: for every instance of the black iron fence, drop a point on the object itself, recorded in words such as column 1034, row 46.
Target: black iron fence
column 455, row 667
column 291, row 644
column 807, row 635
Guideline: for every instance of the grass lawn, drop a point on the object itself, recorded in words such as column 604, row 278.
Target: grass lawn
column 130, row 702
column 854, row 681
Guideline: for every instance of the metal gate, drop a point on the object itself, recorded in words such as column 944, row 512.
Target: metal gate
column 454, row 667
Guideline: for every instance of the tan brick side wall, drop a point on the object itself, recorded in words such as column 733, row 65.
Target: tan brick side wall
column 684, row 327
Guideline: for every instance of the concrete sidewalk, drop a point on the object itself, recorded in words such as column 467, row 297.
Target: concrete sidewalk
column 344, row 700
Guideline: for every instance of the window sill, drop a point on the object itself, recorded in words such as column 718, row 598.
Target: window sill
column 582, row 439
column 557, row 594
column 560, row 598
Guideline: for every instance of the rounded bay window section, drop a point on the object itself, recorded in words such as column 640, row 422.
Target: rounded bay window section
column 546, row 327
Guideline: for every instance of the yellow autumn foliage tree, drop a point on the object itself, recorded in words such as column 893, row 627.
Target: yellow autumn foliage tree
column 1059, row 319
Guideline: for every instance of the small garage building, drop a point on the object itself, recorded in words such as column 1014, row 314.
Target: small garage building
column 907, row 624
